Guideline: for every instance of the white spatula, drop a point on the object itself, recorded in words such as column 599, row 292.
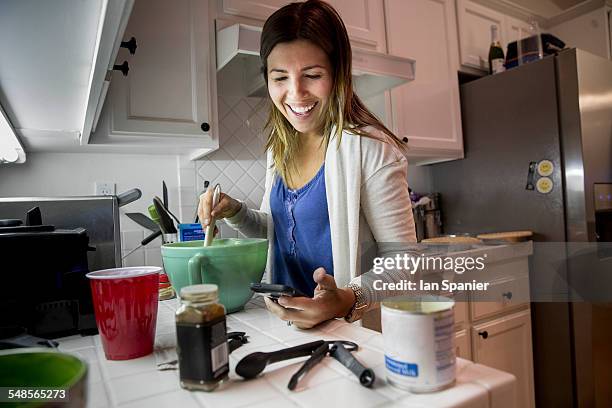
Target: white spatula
column 210, row 229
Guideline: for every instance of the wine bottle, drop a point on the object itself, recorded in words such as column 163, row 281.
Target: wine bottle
column 496, row 53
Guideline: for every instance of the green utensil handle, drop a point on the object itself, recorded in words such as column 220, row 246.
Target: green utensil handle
column 194, row 268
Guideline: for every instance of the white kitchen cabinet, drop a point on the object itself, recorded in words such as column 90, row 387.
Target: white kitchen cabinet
column 168, row 99
column 463, row 348
column 514, row 29
column 364, row 19
column 426, row 111
column 503, row 295
column 475, row 23
column 461, row 312
column 257, row 9
column 505, row 344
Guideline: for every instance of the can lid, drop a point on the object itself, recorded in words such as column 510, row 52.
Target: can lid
column 419, row 304
column 200, row 293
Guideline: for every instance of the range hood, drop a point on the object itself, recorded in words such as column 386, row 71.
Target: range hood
column 239, row 66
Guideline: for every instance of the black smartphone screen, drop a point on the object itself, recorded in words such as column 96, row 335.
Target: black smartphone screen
column 275, row 291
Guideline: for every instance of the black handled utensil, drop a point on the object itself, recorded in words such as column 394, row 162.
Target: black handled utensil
column 128, row 197
column 150, row 237
column 253, row 364
column 339, row 352
column 317, row 355
column 236, row 340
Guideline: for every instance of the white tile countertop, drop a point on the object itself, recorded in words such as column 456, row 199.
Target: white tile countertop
column 138, row 383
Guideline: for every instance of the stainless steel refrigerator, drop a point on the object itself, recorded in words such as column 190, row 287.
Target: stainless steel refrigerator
column 558, row 109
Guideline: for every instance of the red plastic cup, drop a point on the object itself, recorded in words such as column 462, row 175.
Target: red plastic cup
column 125, row 304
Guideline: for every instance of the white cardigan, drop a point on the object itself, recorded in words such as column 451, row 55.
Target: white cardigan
column 367, row 200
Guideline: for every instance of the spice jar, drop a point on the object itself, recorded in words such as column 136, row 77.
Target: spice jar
column 201, row 338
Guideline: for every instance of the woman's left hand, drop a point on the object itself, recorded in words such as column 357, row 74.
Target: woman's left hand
column 328, row 302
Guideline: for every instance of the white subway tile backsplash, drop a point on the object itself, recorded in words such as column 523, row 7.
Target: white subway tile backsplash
column 232, row 122
column 234, row 146
column 246, row 184
column 188, row 213
column 220, row 159
column 187, row 177
column 153, row 257
column 136, row 258
column 222, row 108
column 131, row 239
column 189, row 195
column 156, row 243
column 244, row 110
column 239, row 164
column 234, row 172
column 207, row 171
column 257, row 171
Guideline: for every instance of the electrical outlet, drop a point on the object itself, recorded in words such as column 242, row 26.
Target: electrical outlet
column 105, row 188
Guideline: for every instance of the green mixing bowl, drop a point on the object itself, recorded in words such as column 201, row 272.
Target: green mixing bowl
column 44, row 369
column 232, row 264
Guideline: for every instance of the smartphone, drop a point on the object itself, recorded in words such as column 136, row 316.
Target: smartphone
column 275, row 291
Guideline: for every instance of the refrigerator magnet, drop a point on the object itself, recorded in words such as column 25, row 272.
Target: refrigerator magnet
column 544, row 185
column 545, row 168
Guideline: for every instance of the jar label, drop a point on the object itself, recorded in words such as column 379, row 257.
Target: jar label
column 202, row 350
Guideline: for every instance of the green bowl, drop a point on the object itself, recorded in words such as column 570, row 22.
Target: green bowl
column 232, row 264
column 43, row 368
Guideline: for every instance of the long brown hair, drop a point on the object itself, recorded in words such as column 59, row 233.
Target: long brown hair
column 319, row 23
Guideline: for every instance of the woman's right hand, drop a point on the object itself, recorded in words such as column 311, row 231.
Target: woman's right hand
column 226, row 208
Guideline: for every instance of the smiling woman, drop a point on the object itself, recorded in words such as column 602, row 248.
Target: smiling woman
column 330, row 164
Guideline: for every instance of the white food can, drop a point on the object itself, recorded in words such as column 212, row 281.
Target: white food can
column 419, row 342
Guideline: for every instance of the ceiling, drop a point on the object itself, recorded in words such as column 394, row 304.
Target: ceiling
column 47, row 50
column 547, row 8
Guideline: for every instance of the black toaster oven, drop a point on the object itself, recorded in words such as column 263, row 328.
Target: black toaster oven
column 45, row 290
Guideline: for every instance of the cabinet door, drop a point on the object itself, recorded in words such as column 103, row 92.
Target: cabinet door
column 364, row 21
column 475, row 23
column 461, row 312
column 168, row 89
column 426, row 110
column 514, row 29
column 505, row 344
column 462, row 345
column 502, row 295
column 257, row 9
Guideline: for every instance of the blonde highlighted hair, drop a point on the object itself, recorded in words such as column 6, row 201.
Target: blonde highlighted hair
column 319, row 23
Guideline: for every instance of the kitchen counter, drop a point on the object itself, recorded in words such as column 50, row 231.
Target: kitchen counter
column 138, row 383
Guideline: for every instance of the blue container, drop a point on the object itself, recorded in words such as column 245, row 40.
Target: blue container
column 191, row 232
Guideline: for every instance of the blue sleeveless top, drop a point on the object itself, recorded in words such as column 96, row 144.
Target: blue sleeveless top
column 302, row 239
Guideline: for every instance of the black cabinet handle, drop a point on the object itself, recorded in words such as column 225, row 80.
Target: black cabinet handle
column 507, row 295
column 483, row 334
column 205, row 126
column 130, row 45
column 124, row 68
